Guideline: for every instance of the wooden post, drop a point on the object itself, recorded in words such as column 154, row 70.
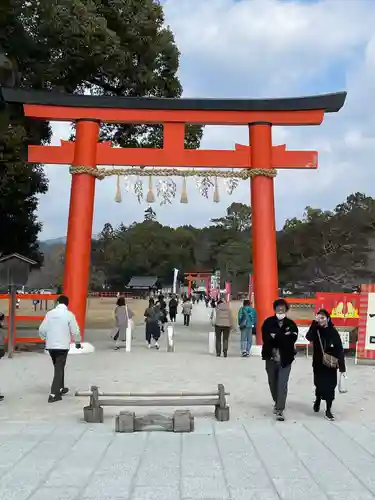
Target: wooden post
column 12, row 328
column 222, row 410
column 94, row 412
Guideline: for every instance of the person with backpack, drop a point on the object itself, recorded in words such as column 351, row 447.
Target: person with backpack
column 247, row 319
column 162, row 306
column 152, row 318
column 173, row 304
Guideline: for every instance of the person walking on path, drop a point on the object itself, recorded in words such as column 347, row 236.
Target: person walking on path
column 172, row 306
column 57, row 328
column 247, row 319
column 223, row 323
column 328, row 357
column 123, row 315
column 152, row 318
column 279, row 337
column 2, row 344
column 162, row 306
column 187, row 308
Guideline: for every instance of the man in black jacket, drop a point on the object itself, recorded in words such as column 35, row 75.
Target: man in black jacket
column 279, row 337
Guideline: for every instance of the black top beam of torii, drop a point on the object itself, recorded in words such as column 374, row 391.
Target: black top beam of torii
column 330, row 103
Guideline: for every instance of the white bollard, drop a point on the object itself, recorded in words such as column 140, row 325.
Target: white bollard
column 128, row 338
column 256, row 350
column 211, row 342
column 170, row 338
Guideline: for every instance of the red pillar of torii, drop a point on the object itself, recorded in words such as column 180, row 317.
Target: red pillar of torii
column 260, row 115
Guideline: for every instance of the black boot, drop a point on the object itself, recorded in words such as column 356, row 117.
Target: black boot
column 316, row 405
column 329, row 415
column 54, row 398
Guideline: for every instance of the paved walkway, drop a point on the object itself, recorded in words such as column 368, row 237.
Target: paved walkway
column 228, row 461
column 48, row 453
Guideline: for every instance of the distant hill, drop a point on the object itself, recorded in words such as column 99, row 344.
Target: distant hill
column 54, row 241
column 58, row 241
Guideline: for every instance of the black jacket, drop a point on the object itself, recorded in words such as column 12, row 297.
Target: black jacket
column 173, row 305
column 281, row 337
column 331, row 341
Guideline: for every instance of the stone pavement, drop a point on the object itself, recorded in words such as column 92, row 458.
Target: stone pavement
column 48, row 453
column 227, row 461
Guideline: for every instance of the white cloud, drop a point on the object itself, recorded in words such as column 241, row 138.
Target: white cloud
column 253, row 48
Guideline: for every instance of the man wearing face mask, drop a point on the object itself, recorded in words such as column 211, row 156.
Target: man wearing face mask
column 279, row 337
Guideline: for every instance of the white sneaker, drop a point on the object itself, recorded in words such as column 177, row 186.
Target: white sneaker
column 157, row 345
column 149, row 346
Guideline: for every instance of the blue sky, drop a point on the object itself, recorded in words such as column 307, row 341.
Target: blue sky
column 262, row 48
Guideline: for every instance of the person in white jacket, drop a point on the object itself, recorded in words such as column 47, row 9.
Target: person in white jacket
column 57, row 329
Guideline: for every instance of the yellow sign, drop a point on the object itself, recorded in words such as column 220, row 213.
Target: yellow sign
column 338, row 311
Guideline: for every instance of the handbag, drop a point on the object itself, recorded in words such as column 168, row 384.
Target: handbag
column 328, row 360
column 343, row 389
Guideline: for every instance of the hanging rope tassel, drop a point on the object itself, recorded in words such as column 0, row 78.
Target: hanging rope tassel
column 150, row 195
column 184, row 196
column 216, row 192
column 118, row 197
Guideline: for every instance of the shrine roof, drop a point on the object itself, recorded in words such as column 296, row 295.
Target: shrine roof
column 330, row 103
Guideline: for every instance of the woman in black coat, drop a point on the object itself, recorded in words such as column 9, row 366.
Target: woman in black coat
column 322, row 333
column 163, row 311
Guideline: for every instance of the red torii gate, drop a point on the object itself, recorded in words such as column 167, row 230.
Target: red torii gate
column 88, row 112
column 199, row 275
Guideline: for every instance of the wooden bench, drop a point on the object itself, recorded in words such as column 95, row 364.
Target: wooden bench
column 94, row 413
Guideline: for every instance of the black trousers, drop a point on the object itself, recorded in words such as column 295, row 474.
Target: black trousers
column 278, row 378
column 172, row 314
column 152, row 331
column 58, row 357
column 222, row 332
column 186, row 319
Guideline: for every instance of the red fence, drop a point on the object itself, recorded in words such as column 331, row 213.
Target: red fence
column 18, row 318
column 344, row 309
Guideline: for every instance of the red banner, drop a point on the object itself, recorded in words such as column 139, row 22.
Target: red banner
column 228, row 290
column 251, row 289
column 343, row 307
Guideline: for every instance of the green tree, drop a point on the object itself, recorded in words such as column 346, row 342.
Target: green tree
column 238, row 218
column 102, row 47
column 150, row 214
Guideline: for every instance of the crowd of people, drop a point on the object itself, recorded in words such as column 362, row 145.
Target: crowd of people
column 279, row 335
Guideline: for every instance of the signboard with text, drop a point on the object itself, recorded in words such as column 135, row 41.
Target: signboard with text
column 302, row 341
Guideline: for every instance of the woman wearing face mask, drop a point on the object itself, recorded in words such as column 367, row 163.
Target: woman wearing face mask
column 326, row 341
column 279, row 336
